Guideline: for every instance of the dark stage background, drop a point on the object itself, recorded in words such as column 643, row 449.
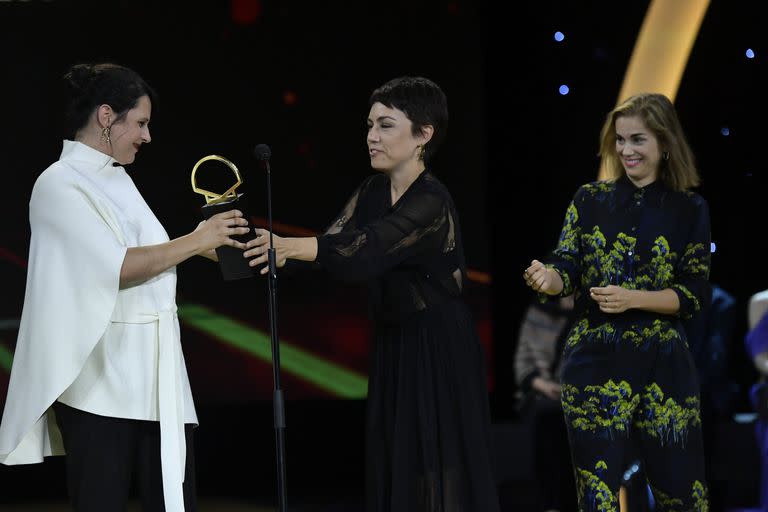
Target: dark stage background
column 297, row 75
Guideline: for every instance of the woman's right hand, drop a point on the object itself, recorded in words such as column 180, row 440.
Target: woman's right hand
column 542, row 279
column 219, row 230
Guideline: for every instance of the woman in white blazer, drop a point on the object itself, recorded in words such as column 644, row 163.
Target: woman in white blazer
column 98, row 370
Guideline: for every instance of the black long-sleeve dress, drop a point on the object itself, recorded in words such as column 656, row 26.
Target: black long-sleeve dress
column 428, row 422
column 629, row 382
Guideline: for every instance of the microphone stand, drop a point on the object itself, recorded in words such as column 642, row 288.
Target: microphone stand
column 279, row 404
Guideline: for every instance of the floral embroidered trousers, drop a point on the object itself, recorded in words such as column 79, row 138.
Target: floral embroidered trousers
column 633, row 395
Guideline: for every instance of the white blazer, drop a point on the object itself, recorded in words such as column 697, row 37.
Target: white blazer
column 84, row 341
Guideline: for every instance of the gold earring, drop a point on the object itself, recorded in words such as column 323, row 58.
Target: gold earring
column 422, row 152
column 106, row 134
column 665, row 155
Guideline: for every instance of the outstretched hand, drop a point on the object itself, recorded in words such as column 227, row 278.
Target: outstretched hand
column 219, row 230
column 257, row 249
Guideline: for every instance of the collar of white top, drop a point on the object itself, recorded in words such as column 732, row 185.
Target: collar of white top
column 77, row 151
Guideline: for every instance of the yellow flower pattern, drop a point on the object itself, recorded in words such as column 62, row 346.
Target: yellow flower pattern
column 593, row 491
column 606, row 409
column 611, row 408
column 671, row 504
column 666, row 420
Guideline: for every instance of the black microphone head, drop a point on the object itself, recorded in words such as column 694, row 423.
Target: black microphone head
column 262, row 152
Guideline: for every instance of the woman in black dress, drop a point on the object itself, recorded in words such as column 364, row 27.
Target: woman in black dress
column 636, row 250
column 428, row 419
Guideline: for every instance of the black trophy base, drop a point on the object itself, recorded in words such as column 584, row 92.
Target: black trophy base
column 231, row 262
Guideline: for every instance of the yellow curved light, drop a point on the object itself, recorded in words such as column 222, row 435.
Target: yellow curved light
column 662, row 49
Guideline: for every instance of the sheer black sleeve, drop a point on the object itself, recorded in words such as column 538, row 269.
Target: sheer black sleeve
column 345, row 220
column 353, row 250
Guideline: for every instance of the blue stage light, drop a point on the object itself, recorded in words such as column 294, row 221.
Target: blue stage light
column 725, row 131
column 564, row 89
column 750, row 53
column 559, row 36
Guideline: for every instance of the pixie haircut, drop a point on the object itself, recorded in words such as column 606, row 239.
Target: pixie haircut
column 677, row 169
column 90, row 85
column 422, row 101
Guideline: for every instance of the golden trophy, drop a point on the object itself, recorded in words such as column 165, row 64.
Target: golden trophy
column 231, row 262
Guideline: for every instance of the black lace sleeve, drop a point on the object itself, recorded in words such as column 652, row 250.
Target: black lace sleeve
column 344, row 221
column 355, row 250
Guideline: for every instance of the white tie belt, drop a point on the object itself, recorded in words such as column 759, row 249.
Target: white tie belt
column 173, row 448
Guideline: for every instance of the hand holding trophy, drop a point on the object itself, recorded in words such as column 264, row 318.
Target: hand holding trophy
column 231, row 262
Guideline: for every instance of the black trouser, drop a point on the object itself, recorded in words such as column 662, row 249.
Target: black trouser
column 554, row 472
column 103, row 455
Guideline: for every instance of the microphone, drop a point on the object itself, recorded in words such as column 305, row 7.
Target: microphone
column 262, row 152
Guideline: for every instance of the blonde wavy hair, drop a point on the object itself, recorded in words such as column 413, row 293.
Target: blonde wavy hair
column 678, row 171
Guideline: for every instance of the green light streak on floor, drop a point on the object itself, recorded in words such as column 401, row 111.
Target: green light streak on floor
column 6, row 358
column 326, row 375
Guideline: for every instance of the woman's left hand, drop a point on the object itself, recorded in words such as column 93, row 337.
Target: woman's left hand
column 611, row 298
